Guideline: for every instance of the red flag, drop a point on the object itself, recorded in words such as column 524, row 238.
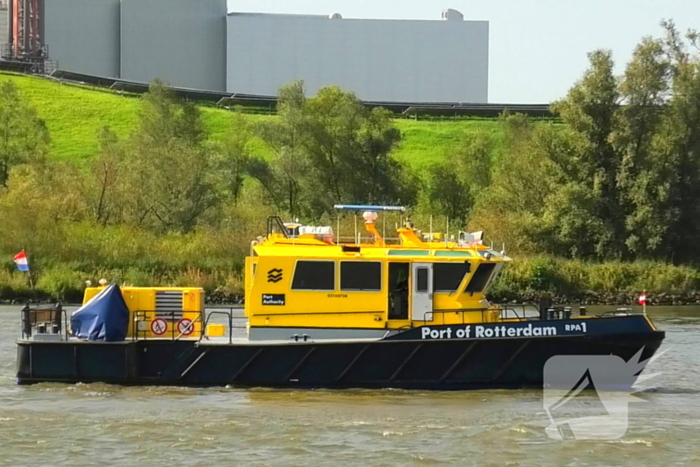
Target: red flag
column 643, row 298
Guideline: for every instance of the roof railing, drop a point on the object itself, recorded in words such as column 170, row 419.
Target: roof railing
column 367, row 207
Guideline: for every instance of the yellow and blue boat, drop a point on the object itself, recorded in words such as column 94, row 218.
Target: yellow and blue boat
column 324, row 312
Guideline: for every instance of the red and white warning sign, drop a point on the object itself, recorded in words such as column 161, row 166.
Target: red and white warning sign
column 159, row 326
column 185, row 326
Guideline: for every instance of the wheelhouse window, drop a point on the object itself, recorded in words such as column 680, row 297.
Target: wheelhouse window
column 361, row 275
column 422, row 280
column 314, row 275
column 480, row 278
column 448, row 276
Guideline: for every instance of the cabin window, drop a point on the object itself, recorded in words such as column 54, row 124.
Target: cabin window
column 314, row 275
column 361, row 275
column 448, row 276
column 422, row 280
column 480, row 278
column 452, row 253
column 406, row 252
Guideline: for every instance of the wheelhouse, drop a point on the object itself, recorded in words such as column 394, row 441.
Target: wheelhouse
column 303, row 277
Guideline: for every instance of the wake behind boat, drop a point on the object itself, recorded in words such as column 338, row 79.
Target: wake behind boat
column 372, row 312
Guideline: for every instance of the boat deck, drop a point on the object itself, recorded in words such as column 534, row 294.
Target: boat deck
column 205, row 342
column 244, row 341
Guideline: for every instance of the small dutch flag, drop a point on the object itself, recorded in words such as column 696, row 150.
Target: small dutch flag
column 21, row 261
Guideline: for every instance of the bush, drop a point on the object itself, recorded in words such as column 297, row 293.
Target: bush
column 62, row 283
column 575, row 279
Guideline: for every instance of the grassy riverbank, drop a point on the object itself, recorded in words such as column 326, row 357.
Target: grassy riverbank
column 74, row 115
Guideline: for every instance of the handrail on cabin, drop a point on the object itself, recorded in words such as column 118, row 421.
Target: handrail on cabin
column 229, row 314
column 276, row 221
column 367, row 207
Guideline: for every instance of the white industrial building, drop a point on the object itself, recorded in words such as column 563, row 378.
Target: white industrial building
column 196, row 44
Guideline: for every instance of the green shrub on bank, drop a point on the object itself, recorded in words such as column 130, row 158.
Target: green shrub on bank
column 575, row 279
column 63, row 283
column 14, row 285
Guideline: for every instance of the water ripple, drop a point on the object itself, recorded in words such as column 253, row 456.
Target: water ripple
column 86, row 424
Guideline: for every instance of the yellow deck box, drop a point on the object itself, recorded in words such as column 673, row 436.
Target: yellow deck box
column 161, row 312
column 216, row 330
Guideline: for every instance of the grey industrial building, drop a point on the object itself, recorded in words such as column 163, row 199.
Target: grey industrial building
column 84, row 35
column 180, row 41
column 380, row 60
column 197, row 44
column 4, row 19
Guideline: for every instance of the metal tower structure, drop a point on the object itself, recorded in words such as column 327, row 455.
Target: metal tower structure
column 25, row 35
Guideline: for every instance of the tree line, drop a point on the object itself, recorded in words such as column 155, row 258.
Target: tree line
column 615, row 177
column 620, row 179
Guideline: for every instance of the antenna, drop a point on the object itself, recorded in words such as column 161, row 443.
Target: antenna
column 384, row 228
column 355, row 235
column 447, row 229
column 430, row 239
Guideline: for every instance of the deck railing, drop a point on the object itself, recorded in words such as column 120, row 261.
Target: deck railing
column 45, row 320
column 431, row 316
column 142, row 319
column 53, row 320
column 228, row 313
column 510, row 312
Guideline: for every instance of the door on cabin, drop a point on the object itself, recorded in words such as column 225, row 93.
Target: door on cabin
column 421, row 291
column 398, row 290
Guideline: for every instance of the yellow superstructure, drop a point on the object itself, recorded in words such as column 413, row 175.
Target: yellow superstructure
column 300, row 277
column 178, row 309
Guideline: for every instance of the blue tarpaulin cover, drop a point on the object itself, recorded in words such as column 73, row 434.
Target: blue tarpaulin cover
column 104, row 318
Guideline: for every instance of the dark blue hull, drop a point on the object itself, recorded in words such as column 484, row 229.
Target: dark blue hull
column 410, row 360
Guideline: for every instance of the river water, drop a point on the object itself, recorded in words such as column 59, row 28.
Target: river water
column 84, row 425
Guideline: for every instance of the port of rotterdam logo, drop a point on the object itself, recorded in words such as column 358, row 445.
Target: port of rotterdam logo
column 274, row 275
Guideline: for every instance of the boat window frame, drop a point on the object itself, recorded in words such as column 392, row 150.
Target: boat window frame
column 453, row 254
column 418, row 279
column 492, row 280
column 486, row 282
column 294, row 272
column 469, row 267
column 381, row 276
column 394, row 252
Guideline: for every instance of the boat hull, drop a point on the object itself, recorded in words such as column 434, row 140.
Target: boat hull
column 407, row 361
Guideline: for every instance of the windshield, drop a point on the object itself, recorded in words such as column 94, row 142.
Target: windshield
column 480, row 278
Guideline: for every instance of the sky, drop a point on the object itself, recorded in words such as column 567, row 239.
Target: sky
column 537, row 48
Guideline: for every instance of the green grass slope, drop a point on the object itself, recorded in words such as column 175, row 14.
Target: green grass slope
column 74, row 114
column 430, row 141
